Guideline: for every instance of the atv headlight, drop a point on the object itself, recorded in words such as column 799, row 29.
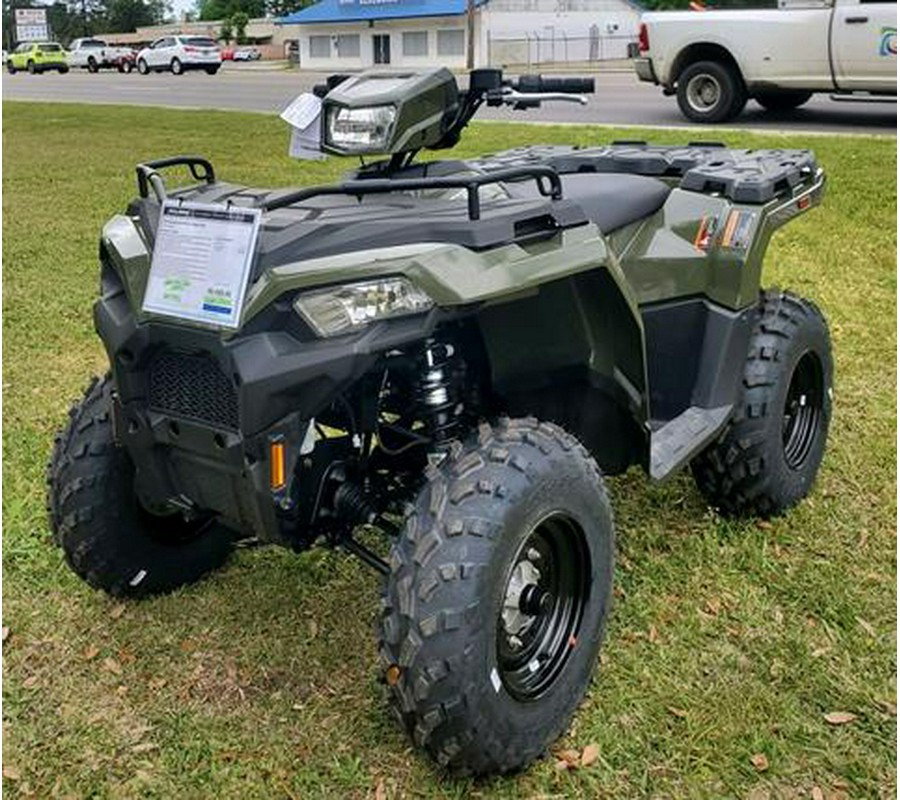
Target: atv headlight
column 358, row 130
column 342, row 309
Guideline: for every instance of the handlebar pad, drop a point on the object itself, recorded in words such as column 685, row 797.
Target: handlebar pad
column 537, row 84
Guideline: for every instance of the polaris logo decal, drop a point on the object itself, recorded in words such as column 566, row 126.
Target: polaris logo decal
column 888, row 46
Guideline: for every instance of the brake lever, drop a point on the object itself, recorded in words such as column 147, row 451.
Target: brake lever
column 511, row 97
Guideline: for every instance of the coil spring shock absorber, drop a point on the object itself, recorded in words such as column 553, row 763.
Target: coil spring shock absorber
column 440, row 390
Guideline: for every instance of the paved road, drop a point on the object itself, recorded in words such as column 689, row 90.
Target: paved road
column 620, row 99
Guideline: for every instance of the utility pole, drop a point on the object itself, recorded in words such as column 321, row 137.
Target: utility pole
column 470, row 34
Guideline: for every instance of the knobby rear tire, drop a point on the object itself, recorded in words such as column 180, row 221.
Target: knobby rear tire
column 757, row 467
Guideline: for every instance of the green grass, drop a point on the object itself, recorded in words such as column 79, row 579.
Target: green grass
column 261, row 681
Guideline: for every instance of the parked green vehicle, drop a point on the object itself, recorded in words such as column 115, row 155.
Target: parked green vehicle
column 37, row 57
column 453, row 353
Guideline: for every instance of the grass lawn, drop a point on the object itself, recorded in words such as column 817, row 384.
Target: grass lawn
column 728, row 639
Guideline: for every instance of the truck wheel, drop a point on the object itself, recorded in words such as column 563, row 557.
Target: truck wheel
column 63, row 70
column 211, row 70
column 32, row 69
column 92, row 65
column 10, row 68
column 177, row 67
column 710, row 91
column 143, row 69
column 499, row 590
column 768, row 457
column 781, row 101
column 107, row 537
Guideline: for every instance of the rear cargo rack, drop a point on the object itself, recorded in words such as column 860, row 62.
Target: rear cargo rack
column 744, row 176
column 546, row 178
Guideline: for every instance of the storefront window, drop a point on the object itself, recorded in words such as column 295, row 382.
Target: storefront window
column 415, row 43
column 451, row 43
column 348, row 45
column 320, row 47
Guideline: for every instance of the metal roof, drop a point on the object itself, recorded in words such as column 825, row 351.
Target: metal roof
column 362, row 10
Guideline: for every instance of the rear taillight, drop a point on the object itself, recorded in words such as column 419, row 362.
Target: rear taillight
column 643, row 39
column 189, row 49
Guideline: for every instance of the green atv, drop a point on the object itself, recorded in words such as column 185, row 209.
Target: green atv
column 453, row 353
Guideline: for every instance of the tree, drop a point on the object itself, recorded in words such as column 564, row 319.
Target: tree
column 239, row 21
column 123, row 16
column 226, row 33
column 221, row 9
column 281, row 8
column 65, row 25
column 75, row 18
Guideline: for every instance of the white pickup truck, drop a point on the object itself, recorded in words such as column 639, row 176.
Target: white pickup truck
column 95, row 54
column 715, row 60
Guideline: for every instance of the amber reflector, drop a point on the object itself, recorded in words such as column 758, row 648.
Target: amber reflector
column 276, row 466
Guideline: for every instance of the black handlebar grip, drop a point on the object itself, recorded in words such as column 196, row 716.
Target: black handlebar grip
column 537, row 84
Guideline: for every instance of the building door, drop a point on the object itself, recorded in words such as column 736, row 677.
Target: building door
column 382, row 44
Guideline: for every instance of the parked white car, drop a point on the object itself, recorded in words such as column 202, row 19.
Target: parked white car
column 715, row 60
column 247, row 54
column 180, row 53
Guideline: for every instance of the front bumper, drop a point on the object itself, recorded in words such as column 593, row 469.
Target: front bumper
column 643, row 67
column 197, row 411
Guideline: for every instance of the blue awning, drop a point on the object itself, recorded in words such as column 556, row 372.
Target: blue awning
column 362, row 10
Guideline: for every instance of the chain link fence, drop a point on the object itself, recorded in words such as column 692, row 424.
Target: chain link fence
column 557, row 48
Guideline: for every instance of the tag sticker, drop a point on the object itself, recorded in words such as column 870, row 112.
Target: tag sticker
column 495, row 680
column 738, row 230
column 705, row 233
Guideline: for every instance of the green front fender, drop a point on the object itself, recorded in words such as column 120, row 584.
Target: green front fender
column 518, row 277
column 452, row 275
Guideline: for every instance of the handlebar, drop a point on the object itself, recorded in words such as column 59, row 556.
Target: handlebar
column 529, row 91
column 537, row 84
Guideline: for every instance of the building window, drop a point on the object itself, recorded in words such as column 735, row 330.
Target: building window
column 348, row 45
column 320, row 47
column 451, row 43
column 415, row 43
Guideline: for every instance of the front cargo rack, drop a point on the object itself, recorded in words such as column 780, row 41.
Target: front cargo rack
column 148, row 173
column 546, row 177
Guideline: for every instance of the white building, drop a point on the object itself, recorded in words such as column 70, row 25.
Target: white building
column 356, row 34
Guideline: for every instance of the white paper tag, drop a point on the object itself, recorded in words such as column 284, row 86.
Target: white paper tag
column 201, row 261
column 495, row 680
column 304, row 115
column 305, row 146
column 302, row 111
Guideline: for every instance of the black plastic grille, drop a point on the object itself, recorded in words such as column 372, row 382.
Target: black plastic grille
column 192, row 386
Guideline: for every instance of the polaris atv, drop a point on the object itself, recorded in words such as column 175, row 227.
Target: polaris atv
column 453, row 353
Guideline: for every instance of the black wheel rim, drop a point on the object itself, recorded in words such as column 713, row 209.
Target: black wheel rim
column 168, row 526
column 543, row 605
column 802, row 410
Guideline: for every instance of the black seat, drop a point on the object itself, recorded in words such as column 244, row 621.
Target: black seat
column 609, row 200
